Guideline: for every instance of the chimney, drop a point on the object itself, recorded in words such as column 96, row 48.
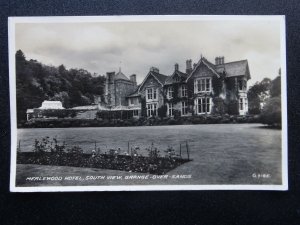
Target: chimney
column 154, row 69
column 188, row 66
column 110, row 77
column 133, row 79
column 194, row 65
column 176, row 66
column 219, row 60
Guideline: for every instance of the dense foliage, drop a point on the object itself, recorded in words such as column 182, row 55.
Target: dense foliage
column 258, row 94
column 265, row 99
column 37, row 82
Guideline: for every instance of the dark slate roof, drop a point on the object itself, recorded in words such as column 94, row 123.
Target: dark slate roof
column 233, row 69
column 121, row 76
column 162, row 78
column 135, row 93
column 182, row 75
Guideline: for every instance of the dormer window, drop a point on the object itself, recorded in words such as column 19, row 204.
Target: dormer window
column 202, row 85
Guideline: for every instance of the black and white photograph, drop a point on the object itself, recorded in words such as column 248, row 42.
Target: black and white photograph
column 128, row 103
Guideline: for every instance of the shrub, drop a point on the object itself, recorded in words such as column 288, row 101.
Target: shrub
column 219, row 106
column 162, row 111
column 271, row 113
column 233, row 107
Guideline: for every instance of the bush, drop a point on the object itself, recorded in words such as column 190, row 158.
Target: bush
column 233, row 107
column 162, row 111
column 271, row 113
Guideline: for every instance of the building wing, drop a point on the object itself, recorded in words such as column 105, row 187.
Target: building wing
column 234, row 69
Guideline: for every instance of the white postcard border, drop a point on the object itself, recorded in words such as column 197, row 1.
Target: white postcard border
column 83, row 19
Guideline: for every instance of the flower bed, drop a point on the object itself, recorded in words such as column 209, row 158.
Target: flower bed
column 141, row 164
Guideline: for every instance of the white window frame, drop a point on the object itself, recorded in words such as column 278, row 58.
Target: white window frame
column 184, row 108
column 202, row 85
column 131, row 101
column 135, row 113
column 151, row 94
column 151, row 109
column 183, row 90
column 241, row 104
column 204, row 101
column 170, row 109
column 170, row 92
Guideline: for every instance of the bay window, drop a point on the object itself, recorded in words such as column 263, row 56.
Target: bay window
column 151, row 110
column 203, row 105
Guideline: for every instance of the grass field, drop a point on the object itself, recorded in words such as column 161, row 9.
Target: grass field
column 221, row 153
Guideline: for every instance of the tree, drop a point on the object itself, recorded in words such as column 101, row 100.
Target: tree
column 258, row 94
column 36, row 82
column 20, row 57
column 275, row 89
column 271, row 113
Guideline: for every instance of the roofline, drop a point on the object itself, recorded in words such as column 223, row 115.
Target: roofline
column 247, row 68
column 201, row 60
column 150, row 72
column 138, row 95
column 236, row 61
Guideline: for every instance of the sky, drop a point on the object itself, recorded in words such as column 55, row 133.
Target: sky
column 101, row 47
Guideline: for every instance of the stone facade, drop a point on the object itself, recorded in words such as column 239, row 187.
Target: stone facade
column 118, row 87
column 205, row 88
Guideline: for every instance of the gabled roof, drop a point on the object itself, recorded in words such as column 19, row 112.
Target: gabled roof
column 162, row 78
column 158, row 76
column 208, row 64
column 170, row 79
column 233, row 69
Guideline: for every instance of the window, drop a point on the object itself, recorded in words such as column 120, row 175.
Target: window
column 154, row 93
column 170, row 109
column 151, row 93
column 135, row 112
column 203, row 85
column 183, row 91
column 183, row 108
column 242, row 85
column 170, row 92
column 131, row 101
column 241, row 104
column 203, row 105
column 151, row 110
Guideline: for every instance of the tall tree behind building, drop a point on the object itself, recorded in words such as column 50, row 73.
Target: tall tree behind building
column 37, row 82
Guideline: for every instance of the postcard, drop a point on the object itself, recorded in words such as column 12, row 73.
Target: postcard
column 139, row 103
